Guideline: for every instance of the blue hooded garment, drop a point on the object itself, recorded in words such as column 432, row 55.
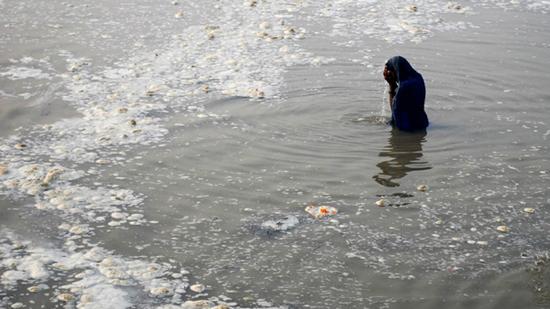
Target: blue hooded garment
column 408, row 103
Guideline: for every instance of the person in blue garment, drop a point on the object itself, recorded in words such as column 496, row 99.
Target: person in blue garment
column 406, row 95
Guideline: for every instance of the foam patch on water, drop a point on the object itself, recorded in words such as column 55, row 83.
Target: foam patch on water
column 394, row 22
column 245, row 55
column 102, row 279
column 17, row 73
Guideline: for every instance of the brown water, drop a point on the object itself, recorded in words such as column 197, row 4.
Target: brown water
column 208, row 168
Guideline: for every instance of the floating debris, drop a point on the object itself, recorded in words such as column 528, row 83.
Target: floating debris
column 3, row 169
column 280, row 225
column 289, row 31
column 262, row 34
column 66, row 297
column 528, row 210
column 412, row 8
column 319, row 212
column 179, row 14
column 77, row 230
column 196, row 304
column 251, row 3
column 197, row 288
column 211, row 31
column 20, row 146
column 34, row 288
column 134, row 217
column 503, row 229
column 454, row 6
column 122, row 110
column 381, row 202
column 152, row 90
column 103, row 161
column 422, row 188
column 256, row 93
column 51, row 175
column 205, row 88
column 132, row 122
column 160, row 291
column 118, row 215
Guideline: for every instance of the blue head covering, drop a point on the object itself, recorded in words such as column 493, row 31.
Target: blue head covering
column 402, row 68
column 408, row 103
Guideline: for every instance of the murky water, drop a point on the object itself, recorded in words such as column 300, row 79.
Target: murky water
column 147, row 147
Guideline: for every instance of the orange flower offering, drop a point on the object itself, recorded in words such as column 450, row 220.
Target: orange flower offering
column 321, row 211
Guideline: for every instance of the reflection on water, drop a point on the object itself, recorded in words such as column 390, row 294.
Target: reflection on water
column 402, row 155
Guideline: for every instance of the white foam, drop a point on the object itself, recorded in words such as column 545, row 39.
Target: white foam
column 17, row 73
column 101, row 277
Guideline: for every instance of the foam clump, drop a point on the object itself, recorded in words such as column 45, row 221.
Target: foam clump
column 284, row 224
column 197, row 304
column 197, row 288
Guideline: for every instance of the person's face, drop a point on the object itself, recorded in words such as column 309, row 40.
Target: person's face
column 388, row 74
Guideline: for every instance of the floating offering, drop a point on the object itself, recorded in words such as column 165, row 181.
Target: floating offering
column 381, row 202
column 422, row 188
column 20, row 146
column 503, row 229
column 528, row 210
column 319, row 212
column 197, row 288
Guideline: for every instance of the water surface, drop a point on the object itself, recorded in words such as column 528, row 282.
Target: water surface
column 174, row 131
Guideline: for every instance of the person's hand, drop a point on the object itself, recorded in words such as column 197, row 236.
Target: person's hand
column 389, row 76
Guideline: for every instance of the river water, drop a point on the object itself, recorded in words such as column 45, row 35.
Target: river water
column 148, row 147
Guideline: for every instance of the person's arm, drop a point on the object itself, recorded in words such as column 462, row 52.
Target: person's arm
column 391, row 94
column 390, row 77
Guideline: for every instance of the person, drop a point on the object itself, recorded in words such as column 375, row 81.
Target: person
column 406, row 95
